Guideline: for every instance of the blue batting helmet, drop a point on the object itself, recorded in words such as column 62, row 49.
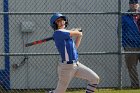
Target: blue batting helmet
column 55, row 17
column 133, row 1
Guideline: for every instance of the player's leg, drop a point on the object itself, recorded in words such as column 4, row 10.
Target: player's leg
column 86, row 73
column 65, row 74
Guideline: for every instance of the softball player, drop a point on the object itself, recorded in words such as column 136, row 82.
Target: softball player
column 70, row 67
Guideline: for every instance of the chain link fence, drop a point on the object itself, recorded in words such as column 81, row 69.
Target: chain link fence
column 34, row 69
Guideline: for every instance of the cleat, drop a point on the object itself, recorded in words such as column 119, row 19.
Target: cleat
column 50, row 91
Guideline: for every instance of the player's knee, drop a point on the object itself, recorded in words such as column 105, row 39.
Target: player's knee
column 98, row 80
column 95, row 80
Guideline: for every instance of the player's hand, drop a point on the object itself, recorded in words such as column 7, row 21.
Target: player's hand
column 76, row 29
column 76, row 32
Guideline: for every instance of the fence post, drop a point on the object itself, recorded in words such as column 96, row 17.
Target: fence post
column 6, row 74
column 119, row 47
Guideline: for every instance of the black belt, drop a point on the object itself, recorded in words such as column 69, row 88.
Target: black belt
column 69, row 62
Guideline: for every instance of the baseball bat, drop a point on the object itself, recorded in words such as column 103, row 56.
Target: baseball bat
column 39, row 41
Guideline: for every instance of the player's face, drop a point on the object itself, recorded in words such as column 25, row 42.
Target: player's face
column 134, row 7
column 60, row 23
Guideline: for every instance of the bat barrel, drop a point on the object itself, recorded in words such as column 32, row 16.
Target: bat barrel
column 39, row 41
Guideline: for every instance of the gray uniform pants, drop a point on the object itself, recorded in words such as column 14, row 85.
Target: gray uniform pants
column 131, row 63
column 67, row 71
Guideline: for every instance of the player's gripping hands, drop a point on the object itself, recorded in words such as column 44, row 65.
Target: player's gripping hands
column 75, row 29
column 76, row 32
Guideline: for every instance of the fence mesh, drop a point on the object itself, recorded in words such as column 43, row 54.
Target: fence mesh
column 34, row 69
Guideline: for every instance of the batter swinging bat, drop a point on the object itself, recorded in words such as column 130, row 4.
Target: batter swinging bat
column 39, row 41
column 46, row 39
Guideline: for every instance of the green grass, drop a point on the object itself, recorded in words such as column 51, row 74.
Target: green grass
column 80, row 91
column 118, row 91
column 109, row 91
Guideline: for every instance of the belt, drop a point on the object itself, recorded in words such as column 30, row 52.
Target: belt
column 69, row 62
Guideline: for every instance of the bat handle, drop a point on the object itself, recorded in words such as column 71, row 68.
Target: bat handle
column 80, row 30
column 30, row 44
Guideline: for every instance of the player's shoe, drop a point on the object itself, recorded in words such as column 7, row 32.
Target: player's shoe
column 50, row 92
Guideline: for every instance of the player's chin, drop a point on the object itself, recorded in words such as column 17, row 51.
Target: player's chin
column 63, row 26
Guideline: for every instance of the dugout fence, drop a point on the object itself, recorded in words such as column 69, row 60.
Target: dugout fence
column 34, row 69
